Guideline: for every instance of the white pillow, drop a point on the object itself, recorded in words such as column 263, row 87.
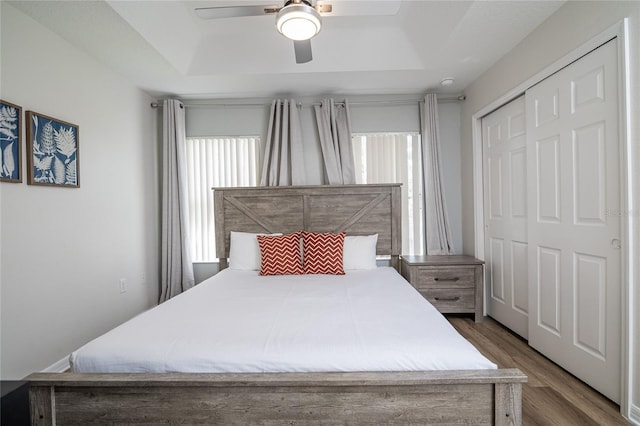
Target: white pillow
column 244, row 252
column 360, row 252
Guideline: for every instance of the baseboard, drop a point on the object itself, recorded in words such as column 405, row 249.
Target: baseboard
column 58, row 367
column 634, row 417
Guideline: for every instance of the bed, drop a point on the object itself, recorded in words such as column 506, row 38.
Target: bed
column 341, row 372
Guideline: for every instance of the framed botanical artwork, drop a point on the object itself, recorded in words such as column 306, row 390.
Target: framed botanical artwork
column 10, row 142
column 52, row 151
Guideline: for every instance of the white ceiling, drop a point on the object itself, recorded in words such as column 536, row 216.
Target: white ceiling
column 365, row 47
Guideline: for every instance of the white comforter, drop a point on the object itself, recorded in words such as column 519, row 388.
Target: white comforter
column 238, row 321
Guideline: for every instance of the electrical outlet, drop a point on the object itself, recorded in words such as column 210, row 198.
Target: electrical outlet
column 123, row 285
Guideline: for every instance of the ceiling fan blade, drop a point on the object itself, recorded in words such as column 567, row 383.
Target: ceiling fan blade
column 234, row 11
column 303, row 51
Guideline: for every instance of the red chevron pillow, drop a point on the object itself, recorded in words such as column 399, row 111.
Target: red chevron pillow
column 323, row 253
column 280, row 255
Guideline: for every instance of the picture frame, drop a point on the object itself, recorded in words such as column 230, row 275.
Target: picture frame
column 52, row 151
column 10, row 142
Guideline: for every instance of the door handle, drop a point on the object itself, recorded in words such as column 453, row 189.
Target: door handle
column 616, row 243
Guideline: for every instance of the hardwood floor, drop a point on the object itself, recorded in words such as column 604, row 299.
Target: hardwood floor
column 552, row 396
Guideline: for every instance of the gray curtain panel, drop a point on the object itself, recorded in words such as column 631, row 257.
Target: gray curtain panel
column 334, row 129
column 283, row 162
column 437, row 229
column 177, row 269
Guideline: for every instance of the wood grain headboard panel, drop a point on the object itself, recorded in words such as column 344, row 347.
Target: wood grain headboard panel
column 355, row 209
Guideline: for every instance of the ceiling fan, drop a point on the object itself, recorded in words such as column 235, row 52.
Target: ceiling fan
column 298, row 20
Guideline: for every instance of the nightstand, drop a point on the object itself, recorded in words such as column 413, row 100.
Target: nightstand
column 453, row 284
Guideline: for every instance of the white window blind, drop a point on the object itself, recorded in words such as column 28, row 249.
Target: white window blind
column 395, row 158
column 216, row 162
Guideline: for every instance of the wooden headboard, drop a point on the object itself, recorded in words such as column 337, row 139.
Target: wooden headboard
column 355, row 209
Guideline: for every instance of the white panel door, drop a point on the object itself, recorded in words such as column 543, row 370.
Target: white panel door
column 505, row 201
column 573, row 165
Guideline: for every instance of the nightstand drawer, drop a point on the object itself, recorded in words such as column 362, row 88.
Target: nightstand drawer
column 452, row 283
column 458, row 277
column 451, row 300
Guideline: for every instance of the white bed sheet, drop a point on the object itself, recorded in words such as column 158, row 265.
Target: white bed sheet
column 237, row 321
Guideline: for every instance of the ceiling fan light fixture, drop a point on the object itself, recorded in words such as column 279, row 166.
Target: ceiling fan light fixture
column 298, row 21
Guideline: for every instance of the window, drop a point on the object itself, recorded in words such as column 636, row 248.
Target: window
column 395, row 158
column 216, row 162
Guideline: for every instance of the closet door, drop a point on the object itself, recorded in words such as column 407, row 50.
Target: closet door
column 505, row 212
column 573, row 164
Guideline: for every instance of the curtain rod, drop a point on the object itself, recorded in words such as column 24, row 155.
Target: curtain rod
column 400, row 101
column 461, row 98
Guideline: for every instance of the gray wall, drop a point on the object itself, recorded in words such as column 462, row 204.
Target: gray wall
column 571, row 26
column 64, row 250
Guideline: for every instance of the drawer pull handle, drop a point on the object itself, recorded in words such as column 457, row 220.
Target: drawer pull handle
column 454, row 279
column 447, row 299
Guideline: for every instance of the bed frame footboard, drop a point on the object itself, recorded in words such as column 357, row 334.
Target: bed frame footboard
column 433, row 397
